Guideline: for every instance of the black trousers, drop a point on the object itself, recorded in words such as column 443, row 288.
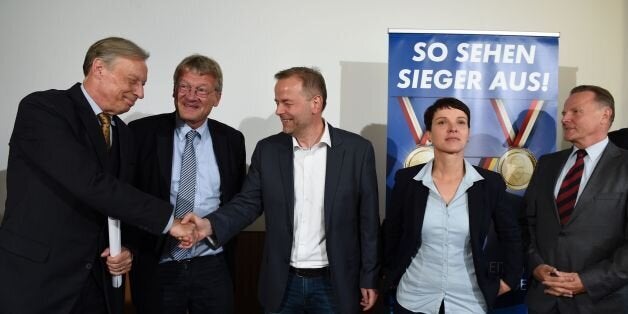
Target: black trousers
column 198, row 285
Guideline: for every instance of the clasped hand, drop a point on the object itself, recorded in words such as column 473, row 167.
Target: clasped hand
column 189, row 230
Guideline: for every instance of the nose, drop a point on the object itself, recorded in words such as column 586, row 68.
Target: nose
column 139, row 91
column 279, row 110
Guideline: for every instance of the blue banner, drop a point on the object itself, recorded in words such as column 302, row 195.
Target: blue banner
column 508, row 80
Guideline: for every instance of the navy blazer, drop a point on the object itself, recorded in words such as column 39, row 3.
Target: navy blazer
column 154, row 136
column 489, row 203
column 59, row 194
column 350, row 210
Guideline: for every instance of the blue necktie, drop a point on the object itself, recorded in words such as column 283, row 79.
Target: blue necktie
column 187, row 189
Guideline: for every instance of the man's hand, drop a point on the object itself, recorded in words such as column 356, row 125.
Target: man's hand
column 203, row 226
column 369, row 296
column 543, row 272
column 184, row 232
column 119, row 264
column 503, row 287
column 564, row 284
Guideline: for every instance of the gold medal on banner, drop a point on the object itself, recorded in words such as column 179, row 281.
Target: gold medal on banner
column 517, row 164
column 419, row 155
column 423, row 152
column 516, row 167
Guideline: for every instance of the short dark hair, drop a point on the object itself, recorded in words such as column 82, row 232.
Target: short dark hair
column 313, row 81
column 110, row 48
column 602, row 96
column 201, row 65
column 445, row 103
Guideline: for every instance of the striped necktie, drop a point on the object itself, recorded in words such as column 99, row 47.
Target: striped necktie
column 187, row 190
column 568, row 192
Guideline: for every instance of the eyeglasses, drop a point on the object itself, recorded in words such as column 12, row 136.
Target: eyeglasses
column 200, row 91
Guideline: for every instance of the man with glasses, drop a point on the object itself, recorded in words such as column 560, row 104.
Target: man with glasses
column 197, row 164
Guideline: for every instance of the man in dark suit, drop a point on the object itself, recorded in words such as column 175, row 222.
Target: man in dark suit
column 577, row 215
column 198, row 281
column 317, row 186
column 64, row 178
column 619, row 138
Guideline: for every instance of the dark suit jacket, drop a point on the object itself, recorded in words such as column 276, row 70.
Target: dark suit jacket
column 351, row 215
column 155, row 141
column 619, row 137
column 59, row 194
column 488, row 204
column 594, row 243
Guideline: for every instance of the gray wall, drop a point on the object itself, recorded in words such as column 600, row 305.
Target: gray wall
column 44, row 42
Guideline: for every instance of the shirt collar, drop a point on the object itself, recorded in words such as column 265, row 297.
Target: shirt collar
column 325, row 138
column 594, row 151
column 470, row 174
column 93, row 104
column 183, row 128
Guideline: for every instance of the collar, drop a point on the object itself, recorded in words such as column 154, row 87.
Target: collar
column 325, row 138
column 470, row 174
column 182, row 128
column 93, row 104
column 594, row 151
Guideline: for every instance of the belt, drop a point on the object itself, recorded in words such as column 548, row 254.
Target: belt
column 310, row 272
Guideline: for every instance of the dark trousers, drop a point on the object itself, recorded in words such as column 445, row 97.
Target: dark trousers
column 402, row 310
column 308, row 294
column 195, row 286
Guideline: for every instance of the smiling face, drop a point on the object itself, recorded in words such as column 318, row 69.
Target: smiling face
column 297, row 111
column 195, row 97
column 116, row 87
column 450, row 130
column 585, row 121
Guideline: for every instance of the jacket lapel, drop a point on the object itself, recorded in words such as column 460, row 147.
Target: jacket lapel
column 165, row 143
column 90, row 123
column 600, row 173
column 285, row 164
column 335, row 158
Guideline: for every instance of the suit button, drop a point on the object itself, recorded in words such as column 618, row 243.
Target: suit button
column 88, row 266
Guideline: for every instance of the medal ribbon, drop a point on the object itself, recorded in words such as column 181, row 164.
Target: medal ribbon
column 520, row 138
column 420, row 138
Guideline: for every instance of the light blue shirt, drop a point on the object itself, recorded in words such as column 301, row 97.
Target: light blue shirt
column 207, row 194
column 443, row 267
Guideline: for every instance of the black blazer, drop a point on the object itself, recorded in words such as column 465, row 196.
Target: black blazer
column 154, row 137
column 351, row 215
column 619, row 138
column 489, row 203
column 59, row 194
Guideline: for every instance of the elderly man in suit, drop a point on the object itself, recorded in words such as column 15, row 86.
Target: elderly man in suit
column 317, row 186
column 197, row 280
column 577, row 215
column 69, row 162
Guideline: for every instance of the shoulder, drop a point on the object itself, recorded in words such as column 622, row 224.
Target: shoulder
column 408, row 173
column 217, row 127
column 340, row 136
column 152, row 120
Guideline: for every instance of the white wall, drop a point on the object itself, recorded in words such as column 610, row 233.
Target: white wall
column 44, row 42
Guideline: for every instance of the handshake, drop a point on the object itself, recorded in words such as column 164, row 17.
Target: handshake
column 190, row 229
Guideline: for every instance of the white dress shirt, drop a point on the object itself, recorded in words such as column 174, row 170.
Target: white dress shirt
column 308, row 246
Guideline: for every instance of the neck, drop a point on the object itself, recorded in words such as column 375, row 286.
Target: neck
column 311, row 136
column 448, row 165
